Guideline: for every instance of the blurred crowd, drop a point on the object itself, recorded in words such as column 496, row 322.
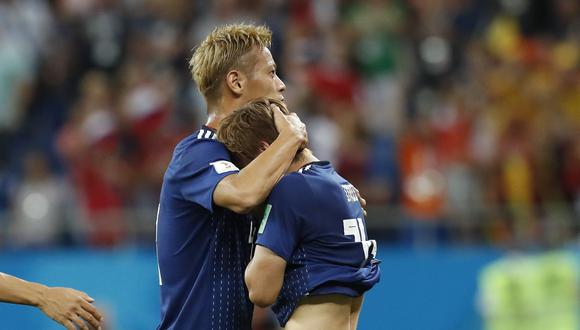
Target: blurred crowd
column 463, row 115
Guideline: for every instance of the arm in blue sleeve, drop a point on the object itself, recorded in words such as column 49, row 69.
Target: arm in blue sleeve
column 198, row 168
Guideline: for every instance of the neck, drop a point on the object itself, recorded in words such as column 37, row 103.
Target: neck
column 302, row 159
column 217, row 110
column 214, row 120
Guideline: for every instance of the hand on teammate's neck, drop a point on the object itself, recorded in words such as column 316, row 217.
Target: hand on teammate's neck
column 215, row 117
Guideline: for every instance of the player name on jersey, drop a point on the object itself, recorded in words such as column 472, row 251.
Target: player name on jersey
column 350, row 192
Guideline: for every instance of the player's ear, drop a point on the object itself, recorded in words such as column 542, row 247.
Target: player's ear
column 263, row 146
column 235, row 82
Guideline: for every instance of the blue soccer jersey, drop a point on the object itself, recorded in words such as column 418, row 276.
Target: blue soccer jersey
column 202, row 249
column 314, row 221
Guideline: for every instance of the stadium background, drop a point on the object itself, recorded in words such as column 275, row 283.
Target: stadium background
column 458, row 120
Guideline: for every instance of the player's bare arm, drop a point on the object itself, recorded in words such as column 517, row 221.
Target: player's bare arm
column 69, row 307
column 248, row 188
column 264, row 276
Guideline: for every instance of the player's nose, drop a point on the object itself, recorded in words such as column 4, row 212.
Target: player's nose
column 281, row 86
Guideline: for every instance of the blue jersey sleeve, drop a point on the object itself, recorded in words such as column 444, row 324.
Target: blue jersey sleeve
column 198, row 167
column 281, row 229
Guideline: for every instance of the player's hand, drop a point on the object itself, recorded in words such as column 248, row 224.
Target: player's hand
column 290, row 124
column 362, row 202
column 71, row 308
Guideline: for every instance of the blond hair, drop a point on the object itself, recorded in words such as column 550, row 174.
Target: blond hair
column 222, row 51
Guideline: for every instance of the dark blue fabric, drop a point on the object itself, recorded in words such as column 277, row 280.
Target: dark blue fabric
column 202, row 249
column 309, row 212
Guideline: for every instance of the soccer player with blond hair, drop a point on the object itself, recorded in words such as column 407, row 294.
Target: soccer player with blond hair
column 203, row 241
column 313, row 260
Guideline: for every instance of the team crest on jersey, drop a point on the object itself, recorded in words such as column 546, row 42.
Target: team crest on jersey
column 223, row 166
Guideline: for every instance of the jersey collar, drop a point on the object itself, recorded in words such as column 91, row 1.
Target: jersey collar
column 307, row 166
column 206, row 133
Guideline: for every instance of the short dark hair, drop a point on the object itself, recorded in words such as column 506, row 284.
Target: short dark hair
column 245, row 129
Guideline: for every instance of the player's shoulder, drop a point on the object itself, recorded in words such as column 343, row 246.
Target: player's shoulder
column 197, row 150
column 200, row 142
column 317, row 180
column 292, row 186
column 303, row 179
column 293, row 180
column 203, row 136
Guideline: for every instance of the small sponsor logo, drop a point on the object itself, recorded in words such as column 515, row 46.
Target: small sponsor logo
column 223, row 166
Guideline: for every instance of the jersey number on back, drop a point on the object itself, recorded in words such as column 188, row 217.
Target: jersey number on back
column 356, row 228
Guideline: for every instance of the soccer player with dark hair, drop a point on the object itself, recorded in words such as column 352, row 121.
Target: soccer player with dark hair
column 203, row 247
column 313, row 260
